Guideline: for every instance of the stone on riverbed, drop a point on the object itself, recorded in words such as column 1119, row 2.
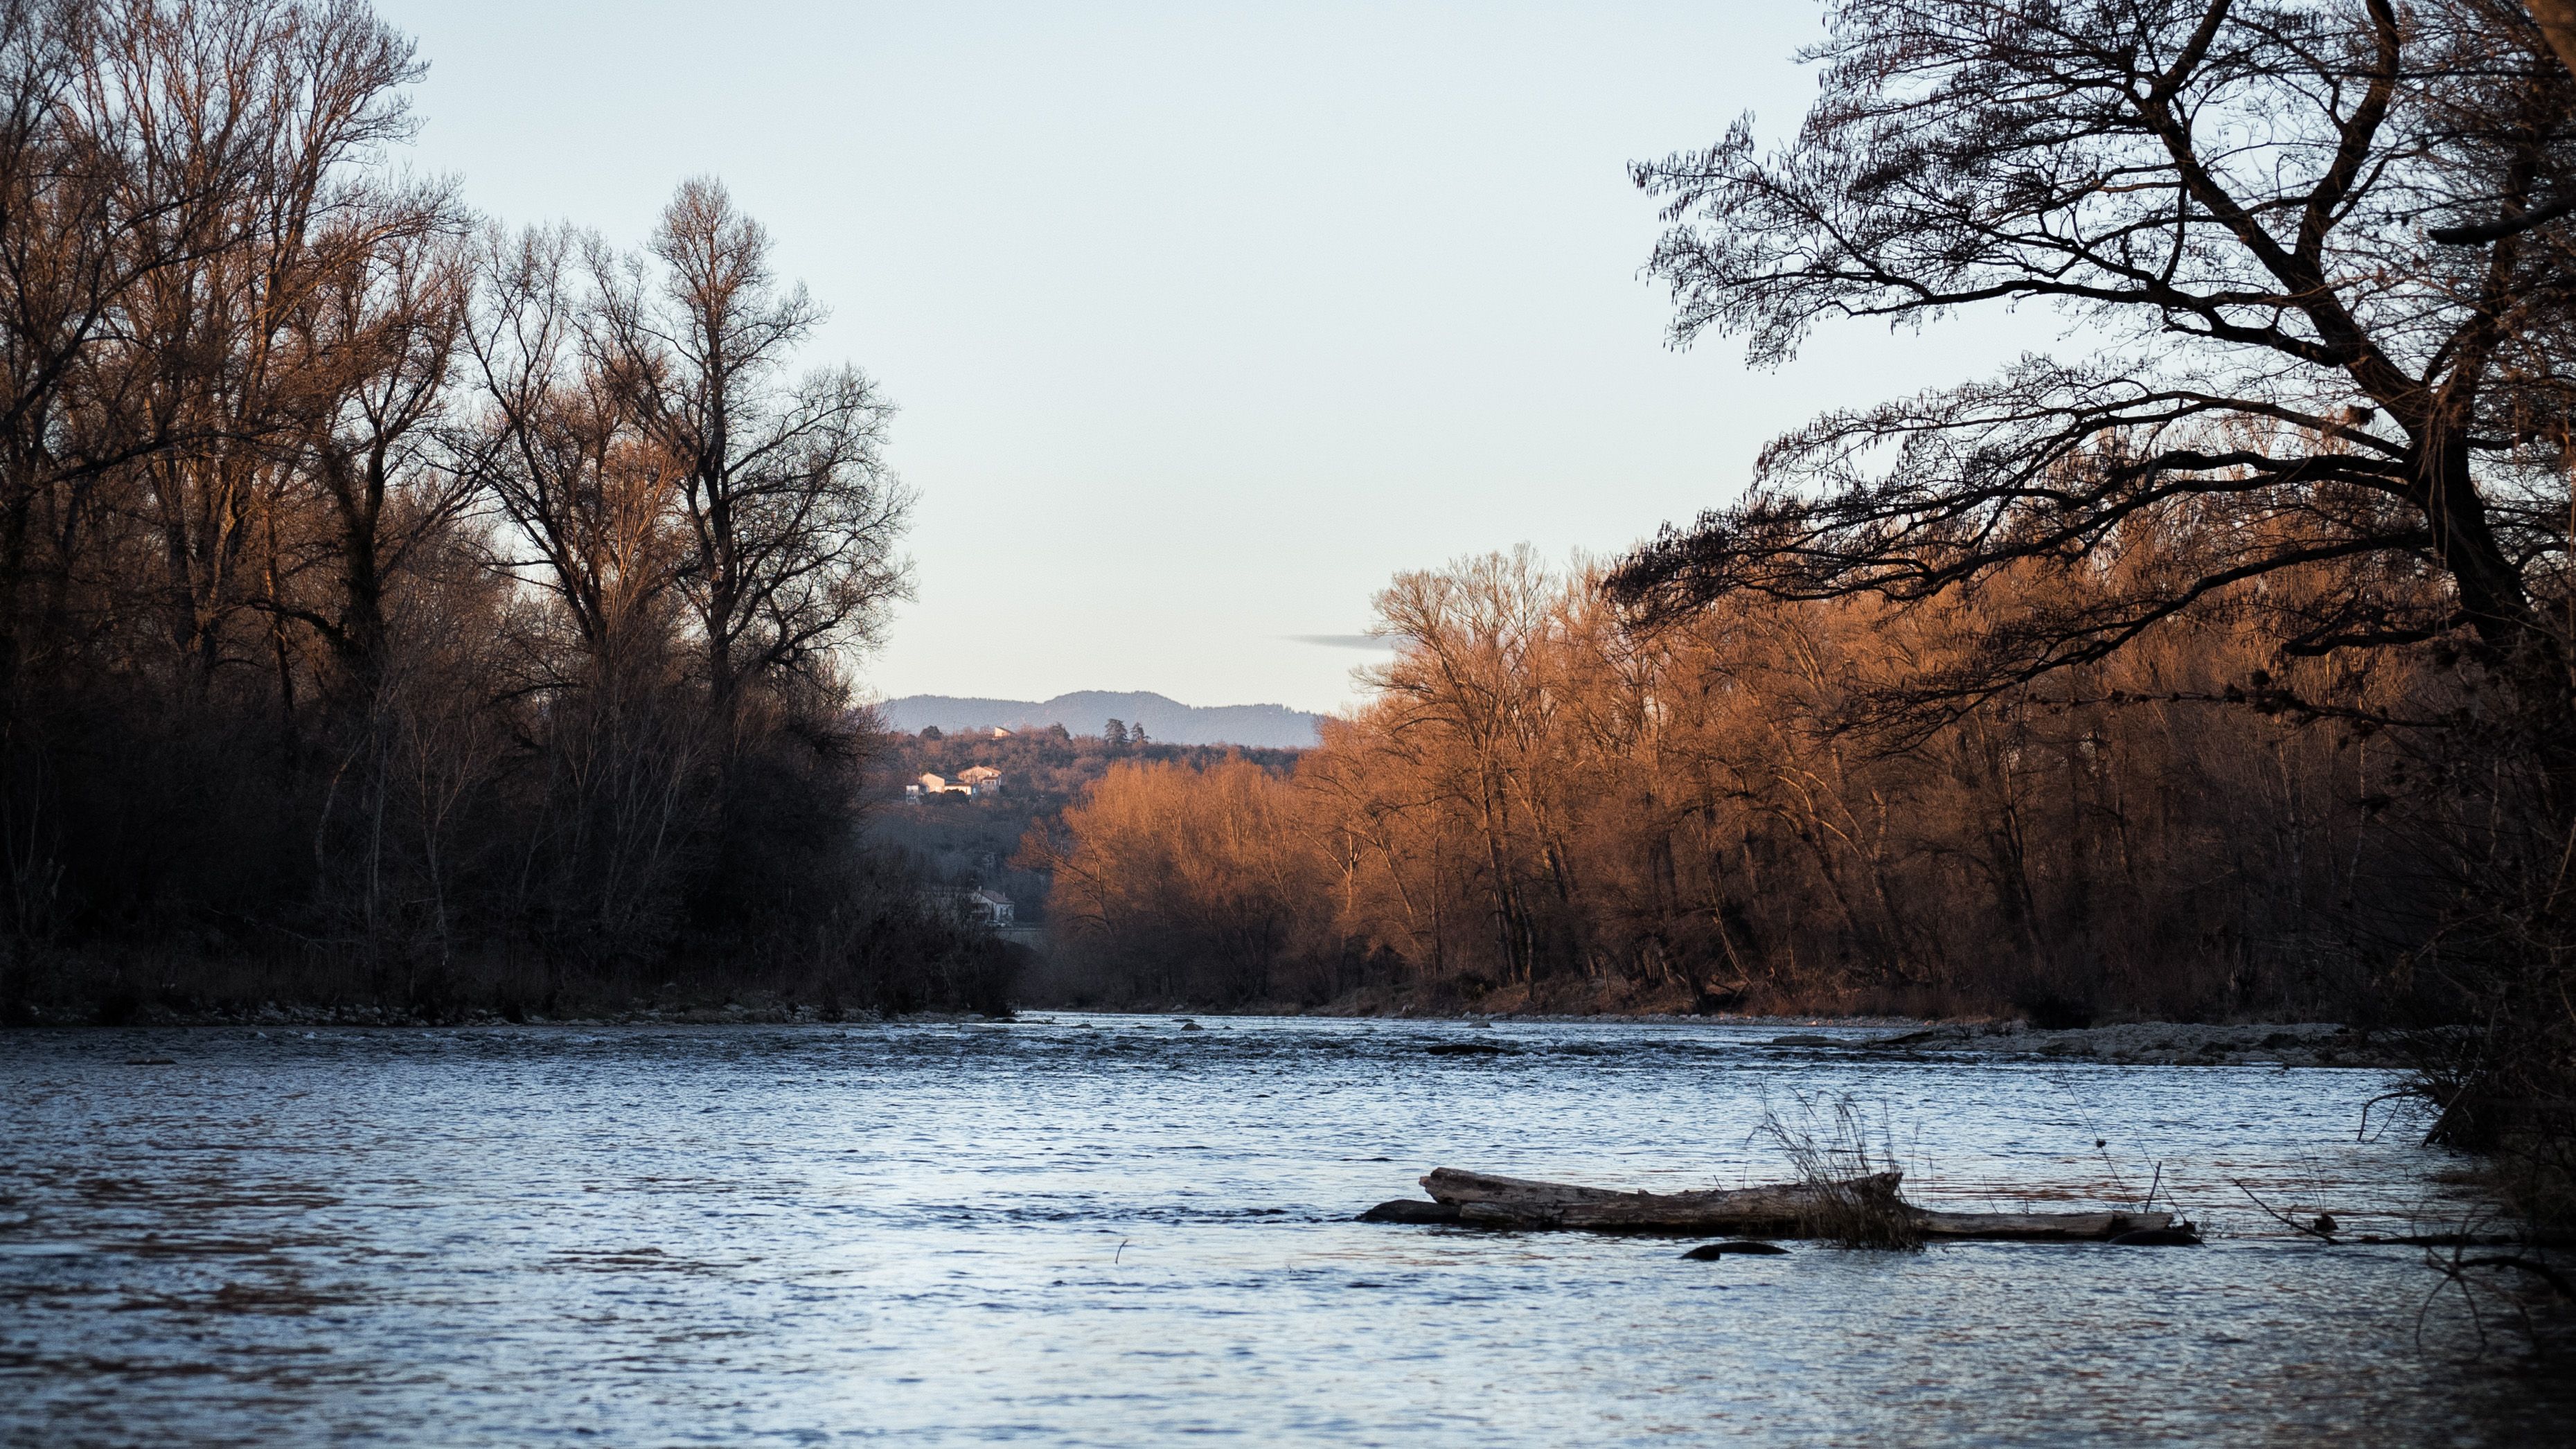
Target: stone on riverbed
column 1410, row 1210
column 1705, row 1252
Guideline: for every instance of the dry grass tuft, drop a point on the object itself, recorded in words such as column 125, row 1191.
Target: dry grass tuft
column 1849, row 1168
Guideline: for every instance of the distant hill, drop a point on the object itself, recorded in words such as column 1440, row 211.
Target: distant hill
column 1266, row 726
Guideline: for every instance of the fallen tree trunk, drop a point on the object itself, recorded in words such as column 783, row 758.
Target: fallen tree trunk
column 1485, row 1200
column 1783, row 1211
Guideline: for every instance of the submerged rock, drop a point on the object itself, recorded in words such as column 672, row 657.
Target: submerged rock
column 2185, row 1236
column 1708, row 1251
column 1410, row 1210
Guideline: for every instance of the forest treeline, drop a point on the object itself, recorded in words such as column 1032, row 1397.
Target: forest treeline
column 2217, row 654
column 1547, row 801
column 395, row 600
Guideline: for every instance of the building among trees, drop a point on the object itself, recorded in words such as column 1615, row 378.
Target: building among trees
column 973, row 781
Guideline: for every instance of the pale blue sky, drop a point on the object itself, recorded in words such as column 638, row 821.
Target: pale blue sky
column 1203, row 320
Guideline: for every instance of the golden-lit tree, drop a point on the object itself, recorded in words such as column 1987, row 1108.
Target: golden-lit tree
column 1190, row 883
column 1549, row 799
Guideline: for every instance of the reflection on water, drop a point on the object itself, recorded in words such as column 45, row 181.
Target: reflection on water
column 1112, row 1231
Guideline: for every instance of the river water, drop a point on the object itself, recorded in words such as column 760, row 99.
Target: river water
column 1113, row 1230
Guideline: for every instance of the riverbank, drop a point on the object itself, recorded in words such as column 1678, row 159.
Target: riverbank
column 2165, row 1043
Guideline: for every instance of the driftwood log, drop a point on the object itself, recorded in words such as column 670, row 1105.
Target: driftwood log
column 1479, row 1199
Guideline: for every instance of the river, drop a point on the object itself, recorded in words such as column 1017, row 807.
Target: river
column 1116, row 1230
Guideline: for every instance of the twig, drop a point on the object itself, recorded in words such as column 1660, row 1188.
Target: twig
column 2313, row 1230
column 2543, row 1271
column 2362, row 1133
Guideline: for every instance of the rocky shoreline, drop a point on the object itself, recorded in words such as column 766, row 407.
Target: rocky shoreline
column 2158, row 1043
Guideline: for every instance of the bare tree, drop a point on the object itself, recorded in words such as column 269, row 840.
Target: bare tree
column 81, row 225
column 375, row 343
column 275, row 114
column 593, row 502
column 2236, row 200
column 792, row 518
column 2327, row 253
column 1472, row 703
column 592, row 509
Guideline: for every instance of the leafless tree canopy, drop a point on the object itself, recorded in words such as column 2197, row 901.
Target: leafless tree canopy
column 790, row 517
column 2242, row 208
column 2321, row 254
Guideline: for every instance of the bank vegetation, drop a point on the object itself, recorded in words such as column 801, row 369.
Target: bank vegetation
column 1549, row 803
column 396, row 607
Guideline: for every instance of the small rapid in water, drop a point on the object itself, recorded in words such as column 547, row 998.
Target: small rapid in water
column 1111, row 1230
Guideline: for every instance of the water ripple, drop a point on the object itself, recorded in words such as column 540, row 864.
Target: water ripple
column 1085, row 1230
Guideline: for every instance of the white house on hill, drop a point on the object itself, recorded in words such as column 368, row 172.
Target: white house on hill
column 976, row 780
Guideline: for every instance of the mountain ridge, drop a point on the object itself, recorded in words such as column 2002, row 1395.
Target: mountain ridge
column 1086, row 711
